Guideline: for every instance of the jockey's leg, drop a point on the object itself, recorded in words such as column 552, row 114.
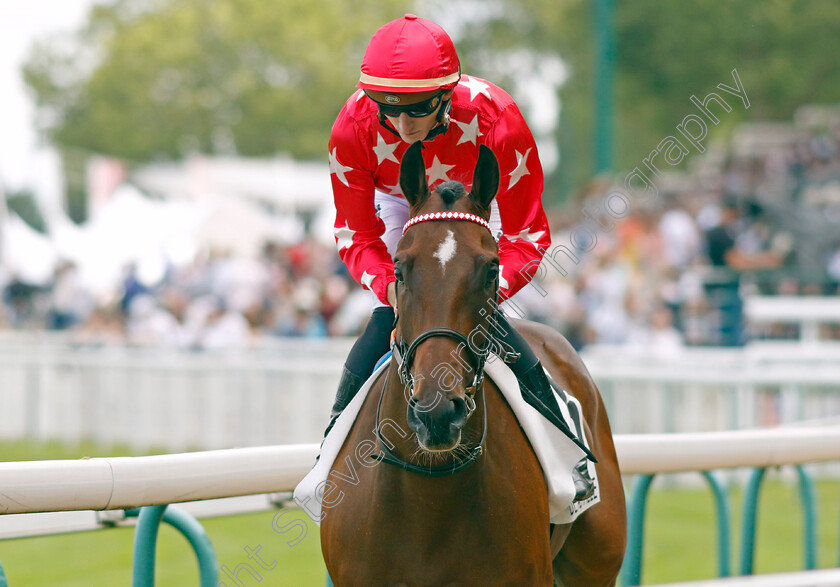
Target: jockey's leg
column 367, row 350
column 539, row 393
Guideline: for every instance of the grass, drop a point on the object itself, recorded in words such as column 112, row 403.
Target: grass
column 104, row 558
column 680, row 539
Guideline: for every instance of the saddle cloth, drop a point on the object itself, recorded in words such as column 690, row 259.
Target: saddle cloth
column 556, row 453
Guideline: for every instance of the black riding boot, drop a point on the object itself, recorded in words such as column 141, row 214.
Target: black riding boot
column 348, row 387
column 537, row 391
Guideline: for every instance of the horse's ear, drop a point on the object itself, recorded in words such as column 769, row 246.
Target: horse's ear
column 413, row 175
column 485, row 178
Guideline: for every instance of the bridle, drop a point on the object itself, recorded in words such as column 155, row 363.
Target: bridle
column 403, row 354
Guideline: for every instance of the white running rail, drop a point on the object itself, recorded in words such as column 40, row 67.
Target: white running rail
column 128, row 482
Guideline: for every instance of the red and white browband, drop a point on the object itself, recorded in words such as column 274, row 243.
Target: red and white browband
column 448, row 216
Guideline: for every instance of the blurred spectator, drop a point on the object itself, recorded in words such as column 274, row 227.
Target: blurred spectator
column 150, row 324
column 19, row 299
column 735, row 246
column 69, row 302
column 131, row 287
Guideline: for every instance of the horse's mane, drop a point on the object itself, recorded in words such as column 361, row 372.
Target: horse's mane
column 450, row 192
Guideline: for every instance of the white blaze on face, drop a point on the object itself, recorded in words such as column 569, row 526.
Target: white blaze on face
column 446, row 250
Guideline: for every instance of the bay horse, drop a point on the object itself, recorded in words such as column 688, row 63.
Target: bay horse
column 461, row 498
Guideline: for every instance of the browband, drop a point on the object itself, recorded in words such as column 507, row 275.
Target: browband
column 448, row 216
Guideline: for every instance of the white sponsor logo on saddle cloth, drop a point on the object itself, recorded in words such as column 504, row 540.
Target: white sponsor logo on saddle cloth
column 556, row 453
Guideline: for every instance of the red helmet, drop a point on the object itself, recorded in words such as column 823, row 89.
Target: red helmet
column 409, row 55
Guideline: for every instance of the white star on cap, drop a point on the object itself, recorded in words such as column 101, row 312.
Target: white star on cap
column 476, row 87
column 343, row 236
column 531, row 237
column 470, row 130
column 384, row 151
column 367, row 279
column 338, row 168
column 521, row 168
column 503, row 283
column 438, row 171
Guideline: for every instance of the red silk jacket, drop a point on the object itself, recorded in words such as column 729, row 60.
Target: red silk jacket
column 365, row 156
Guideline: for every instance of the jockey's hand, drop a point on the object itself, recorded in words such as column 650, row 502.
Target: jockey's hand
column 391, row 292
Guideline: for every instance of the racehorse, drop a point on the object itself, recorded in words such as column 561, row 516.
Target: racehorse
column 461, row 497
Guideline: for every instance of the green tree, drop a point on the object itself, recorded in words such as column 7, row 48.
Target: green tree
column 169, row 78
column 24, row 204
column 784, row 50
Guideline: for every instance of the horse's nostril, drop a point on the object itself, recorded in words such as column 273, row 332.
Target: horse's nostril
column 459, row 412
column 447, row 417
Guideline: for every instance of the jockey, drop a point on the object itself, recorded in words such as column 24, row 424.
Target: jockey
column 411, row 89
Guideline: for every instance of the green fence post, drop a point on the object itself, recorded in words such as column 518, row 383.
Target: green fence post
column 145, row 543
column 808, row 496
column 748, row 523
column 723, row 523
column 631, row 570
column 194, row 532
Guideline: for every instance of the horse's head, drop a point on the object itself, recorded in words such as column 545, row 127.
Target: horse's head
column 447, row 268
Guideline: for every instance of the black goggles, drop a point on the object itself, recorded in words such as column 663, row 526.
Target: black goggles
column 417, row 110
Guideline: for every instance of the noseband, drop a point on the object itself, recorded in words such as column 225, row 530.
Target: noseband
column 404, row 353
column 403, row 356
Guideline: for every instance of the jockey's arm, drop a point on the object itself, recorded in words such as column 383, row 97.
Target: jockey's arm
column 358, row 229
column 525, row 229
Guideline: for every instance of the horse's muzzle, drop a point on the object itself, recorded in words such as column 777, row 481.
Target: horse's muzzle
column 438, row 422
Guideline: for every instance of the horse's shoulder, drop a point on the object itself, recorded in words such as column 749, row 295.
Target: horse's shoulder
column 541, row 335
column 554, row 349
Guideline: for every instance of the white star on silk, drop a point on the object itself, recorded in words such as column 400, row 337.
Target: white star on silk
column 338, row 168
column 384, row 151
column 521, row 167
column 438, row 171
column 476, row 87
column 394, row 190
column 470, row 130
column 343, row 236
column 367, row 279
column 503, row 283
column 531, row 237
column 359, row 96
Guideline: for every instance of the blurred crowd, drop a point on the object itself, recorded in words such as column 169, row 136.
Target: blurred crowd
column 671, row 270
column 218, row 301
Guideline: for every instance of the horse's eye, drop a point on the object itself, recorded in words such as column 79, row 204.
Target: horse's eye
column 492, row 275
column 398, row 274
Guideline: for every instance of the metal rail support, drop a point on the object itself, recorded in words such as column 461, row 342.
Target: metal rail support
column 723, row 523
column 145, row 544
column 631, row 570
column 807, row 496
